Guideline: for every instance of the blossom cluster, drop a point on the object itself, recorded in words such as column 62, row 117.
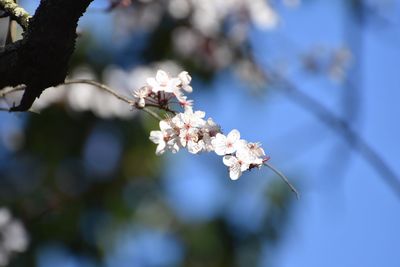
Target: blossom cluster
column 189, row 129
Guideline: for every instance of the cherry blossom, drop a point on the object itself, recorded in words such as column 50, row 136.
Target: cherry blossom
column 140, row 95
column 190, row 130
column 251, row 153
column 166, row 138
column 185, row 79
column 189, row 138
column 226, row 144
column 236, row 166
column 163, row 83
column 189, row 119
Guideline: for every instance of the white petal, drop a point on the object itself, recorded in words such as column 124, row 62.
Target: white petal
column 185, row 77
column 156, row 137
column 244, row 167
column 230, row 149
column 229, row 160
column 235, row 172
column 162, row 77
column 219, row 144
column 193, row 147
column 199, row 114
column 244, row 154
column 141, row 102
column 234, row 136
column 257, row 161
column 188, row 88
column 241, row 144
column 172, row 85
column 152, row 83
column 174, row 148
column 260, row 152
column 188, row 110
column 164, row 125
column 160, row 148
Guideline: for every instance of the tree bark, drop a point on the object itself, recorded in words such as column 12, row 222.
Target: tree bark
column 40, row 59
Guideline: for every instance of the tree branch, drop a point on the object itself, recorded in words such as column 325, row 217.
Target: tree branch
column 114, row 93
column 343, row 129
column 16, row 12
column 40, row 59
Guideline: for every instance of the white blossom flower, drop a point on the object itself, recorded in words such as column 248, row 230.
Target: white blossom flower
column 140, row 95
column 189, row 119
column 165, row 139
column 250, row 153
column 185, row 79
column 189, row 138
column 236, row 166
column 256, row 149
column 224, row 145
column 209, row 131
column 162, row 82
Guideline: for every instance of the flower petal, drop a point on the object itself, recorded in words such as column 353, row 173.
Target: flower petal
column 160, row 148
column 219, row 144
column 234, row 136
column 156, row 137
column 162, row 77
column 235, row 172
column 152, row 83
column 194, row 147
column 142, row 102
column 229, row 160
column 164, row 125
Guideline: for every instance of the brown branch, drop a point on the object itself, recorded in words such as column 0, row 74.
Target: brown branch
column 102, row 87
column 114, row 93
column 40, row 59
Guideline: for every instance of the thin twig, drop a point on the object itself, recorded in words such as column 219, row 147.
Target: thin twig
column 283, row 177
column 114, row 93
column 102, row 87
column 20, row 15
column 10, row 90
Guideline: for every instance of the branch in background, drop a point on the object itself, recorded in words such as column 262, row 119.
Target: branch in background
column 16, row 12
column 339, row 125
column 351, row 93
column 343, row 129
column 40, row 59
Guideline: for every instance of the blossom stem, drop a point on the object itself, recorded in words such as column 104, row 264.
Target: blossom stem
column 102, row 87
column 114, row 93
column 283, row 177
